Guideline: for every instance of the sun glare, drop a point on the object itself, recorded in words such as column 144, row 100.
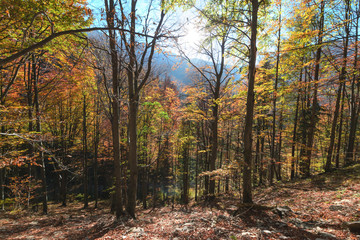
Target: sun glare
column 192, row 37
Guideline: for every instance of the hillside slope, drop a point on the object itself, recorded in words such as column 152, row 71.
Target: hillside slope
column 315, row 208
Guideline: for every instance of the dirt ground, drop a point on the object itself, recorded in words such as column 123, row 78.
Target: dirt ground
column 316, row 208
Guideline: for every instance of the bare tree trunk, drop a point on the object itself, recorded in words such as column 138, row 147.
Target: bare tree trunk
column 44, row 187
column 133, row 109
column 273, row 151
column 355, row 104
column 220, row 164
column 247, row 187
column 227, row 160
column 257, row 152
column 38, row 129
column 63, row 187
column 333, row 128
column 196, row 171
column 205, row 160
column 293, row 144
column 261, row 158
column 185, row 175
column 115, row 120
column 96, row 148
column 145, row 178
column 156, row 181
column 337, row 159
column 132, row 187
column 278, row 155
column 63, row 173
column 30, row 82
column 85, row 161
column 214, row 147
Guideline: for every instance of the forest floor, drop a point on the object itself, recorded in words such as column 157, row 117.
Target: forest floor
column 315, row 208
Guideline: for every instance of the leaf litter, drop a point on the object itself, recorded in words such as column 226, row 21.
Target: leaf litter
column 315, row 208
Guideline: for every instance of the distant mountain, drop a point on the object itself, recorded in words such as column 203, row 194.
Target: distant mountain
column 178, row 69
column 175, row 67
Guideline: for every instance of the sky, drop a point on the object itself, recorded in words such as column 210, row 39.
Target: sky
column 191, row 35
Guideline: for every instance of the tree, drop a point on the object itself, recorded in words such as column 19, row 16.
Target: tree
column 247, row 185
column 115, row 98
column 217, row 75
column 138, row 68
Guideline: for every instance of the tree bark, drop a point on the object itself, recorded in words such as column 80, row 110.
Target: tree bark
column 278, row 154
column 96, row 149
column 85, row 160
column 293, row 144
column 337, row 159
column 115, row 118
column 63, row 187
column 197, row 171
column 185, row 175
column 247, row 187
column 38, row 129
column 333, row 128
column 214, row 145
column 355, row 104
column 132, row 131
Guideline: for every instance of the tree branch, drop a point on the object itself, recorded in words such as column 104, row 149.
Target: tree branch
column 58, row 34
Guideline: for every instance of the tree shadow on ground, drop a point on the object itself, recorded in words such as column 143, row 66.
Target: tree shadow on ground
column 273, row 227
column 336, row 178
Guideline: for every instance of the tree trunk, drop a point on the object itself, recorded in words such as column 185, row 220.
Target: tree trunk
column 30, row 76
column 63, row 187
column 96, row 148
column 30, row 81
column 257, row 153
column 278, row 155
column 132, row 124
column 145, row 178
column 293, row 144
column 227, row 160
column 43, row 184
column 132, row 187
column 247, row 187
column 115, row 120
column 355, row 104
column 349, row 157
column 261, row 158
column 38, row 129
column 337, row 159
column 220, row 165
column 333, row 128
column 85, row 161
column 315, row 104
column 156, row 181
column 214, row 147
column 185, row 175
column 341, row 85
column 205, row 161
column 273, row 151
column 197, row 171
